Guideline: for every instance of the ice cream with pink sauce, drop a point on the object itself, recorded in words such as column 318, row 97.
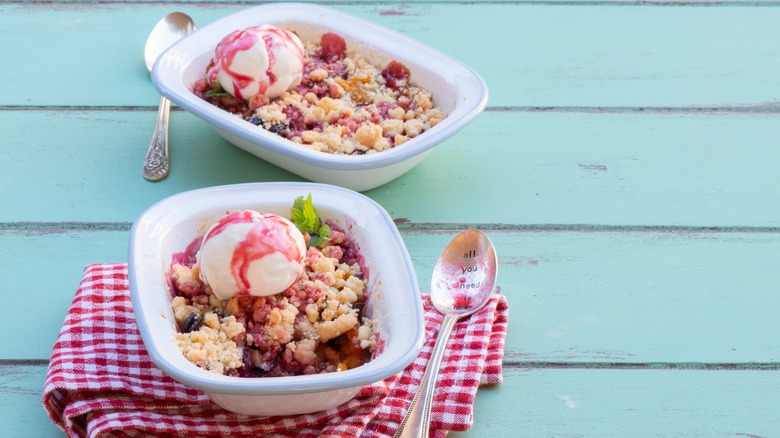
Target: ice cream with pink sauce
column 260, row 60
column 251, row 253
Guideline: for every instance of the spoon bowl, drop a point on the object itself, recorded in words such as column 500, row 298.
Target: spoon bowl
column 462, row 283
column 166, row 32
column 465, row 275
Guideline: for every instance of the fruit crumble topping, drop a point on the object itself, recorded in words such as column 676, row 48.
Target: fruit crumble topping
column 314, row 326
column 343, row 104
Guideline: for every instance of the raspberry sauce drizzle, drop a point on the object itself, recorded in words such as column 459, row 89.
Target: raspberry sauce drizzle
column 243, row 40
column 261, row 241
column 226, row 51
column 269, row 235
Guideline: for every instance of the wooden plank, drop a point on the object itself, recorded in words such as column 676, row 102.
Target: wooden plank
column 610, row 403
column 632, row 297
column 41, row 270
column 542, row 402
column 600, row 169
column 559, row 55
column 21, row 410
column 598, row 298
column 95, row 163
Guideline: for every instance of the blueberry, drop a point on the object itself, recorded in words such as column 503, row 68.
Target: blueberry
column 277, row 128
column 192, row 323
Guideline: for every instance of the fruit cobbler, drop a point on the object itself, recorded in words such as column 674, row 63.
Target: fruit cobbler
column 259, row 295
column 319, row 94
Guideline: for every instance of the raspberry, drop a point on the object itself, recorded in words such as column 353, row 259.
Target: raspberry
column 333, row 47
column 395, row 72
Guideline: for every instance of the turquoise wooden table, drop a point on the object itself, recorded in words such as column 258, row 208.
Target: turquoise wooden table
column 627, row 169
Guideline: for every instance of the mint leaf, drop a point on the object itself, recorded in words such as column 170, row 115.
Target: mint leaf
column 297, row 215
column 305, row 216
column 324, row 232
column 322, row 235
column 216, row 90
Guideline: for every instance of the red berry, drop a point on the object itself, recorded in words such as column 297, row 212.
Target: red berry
column 395, row 72
column 333, row 47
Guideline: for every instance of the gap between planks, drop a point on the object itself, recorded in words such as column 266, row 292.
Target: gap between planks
column 763, row 108
column 586, row 3
column 404, row 225
column 692, row 366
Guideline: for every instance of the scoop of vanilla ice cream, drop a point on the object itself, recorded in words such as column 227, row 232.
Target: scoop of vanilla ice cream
column 258, row 60
column 251, row 253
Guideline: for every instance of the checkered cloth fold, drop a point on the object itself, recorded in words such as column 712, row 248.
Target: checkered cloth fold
column 101, row 382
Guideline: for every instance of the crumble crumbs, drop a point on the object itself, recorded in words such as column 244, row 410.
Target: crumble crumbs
column 343, row 105
column 315, row 326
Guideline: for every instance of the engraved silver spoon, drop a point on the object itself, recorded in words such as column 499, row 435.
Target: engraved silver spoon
column 462, row 282
column 166, row 32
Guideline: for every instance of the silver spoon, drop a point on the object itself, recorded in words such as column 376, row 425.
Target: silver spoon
column 166, row 32
column 462, row 282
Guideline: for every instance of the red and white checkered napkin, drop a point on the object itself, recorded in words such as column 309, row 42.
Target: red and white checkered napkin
column 101, row 381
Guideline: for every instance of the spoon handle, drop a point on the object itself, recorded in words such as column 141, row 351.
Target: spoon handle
column 156, row 162
column 417, row 421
